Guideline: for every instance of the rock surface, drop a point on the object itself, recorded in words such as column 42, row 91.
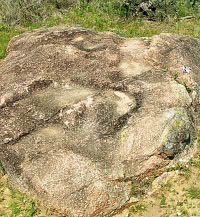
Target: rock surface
column 82, row 113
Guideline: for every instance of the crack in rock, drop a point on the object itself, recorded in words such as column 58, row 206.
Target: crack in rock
column 83, row 113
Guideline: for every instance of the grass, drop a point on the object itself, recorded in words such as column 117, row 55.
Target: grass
column 163, row 200
column 174, row 196
column 14, row 203
column 5, row 35
column 184, row 171
column 18, row 208
column 104, row 16
column 137, row 208
column 141, row 187
column 194, row 192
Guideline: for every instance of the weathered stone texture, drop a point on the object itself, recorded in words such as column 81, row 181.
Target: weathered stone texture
column 82, row 113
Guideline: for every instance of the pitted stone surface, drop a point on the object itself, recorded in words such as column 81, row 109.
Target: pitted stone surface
column 83, row 113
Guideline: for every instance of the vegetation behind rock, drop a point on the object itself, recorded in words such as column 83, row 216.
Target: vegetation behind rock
column 29, row 11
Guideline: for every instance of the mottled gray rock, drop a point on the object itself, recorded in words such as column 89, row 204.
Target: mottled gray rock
column 83, row 113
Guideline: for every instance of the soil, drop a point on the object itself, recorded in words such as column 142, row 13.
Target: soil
column 168, row 196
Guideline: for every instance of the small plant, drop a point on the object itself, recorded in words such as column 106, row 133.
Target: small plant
column 189, row 90
column 32, row 208
column 185, row 212
column 137, row 208
column 194, row 192
column 179, row 203
column 164, row 70
column 20, row 205
column 166, row 186
column 175, row 76
column 140, row 187
column 195, row 163
column 183, row 168
column 163, row 200
column 175, row 167
column 186, row 172
column 14, row 207
column 2, row 213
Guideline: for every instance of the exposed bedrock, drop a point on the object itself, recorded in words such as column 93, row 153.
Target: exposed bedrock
column 83, row 113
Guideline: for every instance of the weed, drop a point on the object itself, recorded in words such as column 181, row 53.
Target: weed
column 31, row 209
column 179, row 203
column 178, row 166
column 163, row 200
column 166, row 186
column 2, row 213
column 175, row 76
column 137, row 208
column 185, row 212
column 164, row 70
column 185, row 172
column 137, row 190
column 20, row 205
column 194, row 192
column 195, row 163
column 189, row 90
column 140, row 187
column 14, row 207
column 4, row 28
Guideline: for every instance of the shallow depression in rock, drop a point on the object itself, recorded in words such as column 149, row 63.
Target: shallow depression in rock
column 87, row 112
